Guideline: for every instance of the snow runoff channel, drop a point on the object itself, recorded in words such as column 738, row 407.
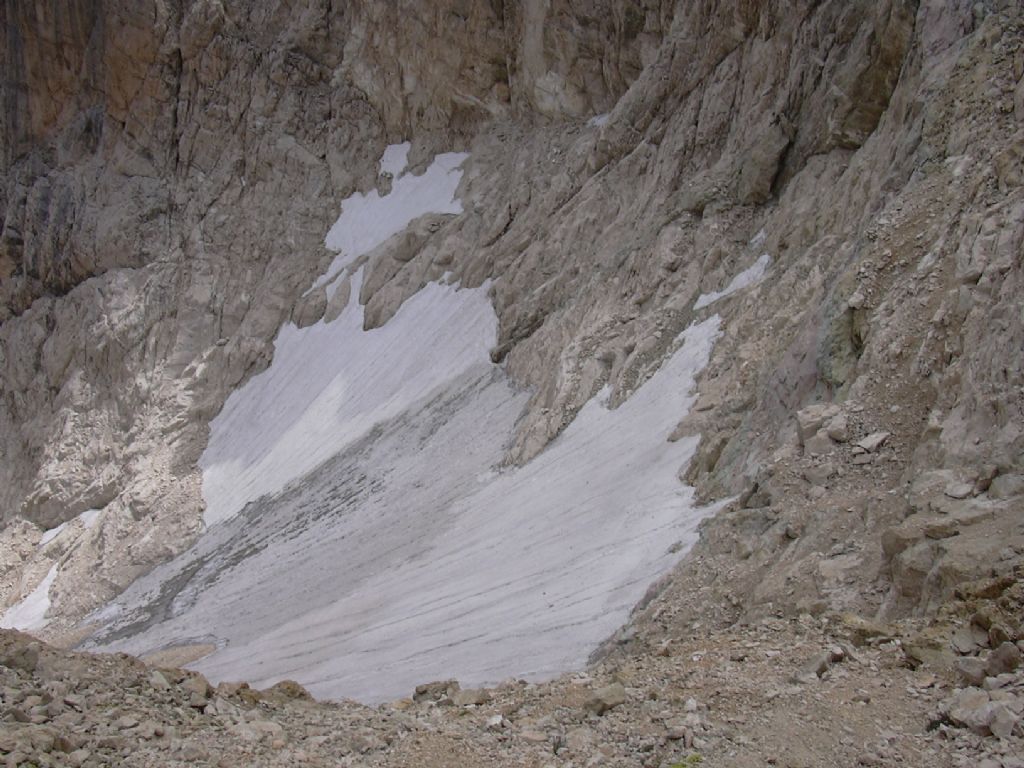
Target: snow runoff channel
column 362, row 539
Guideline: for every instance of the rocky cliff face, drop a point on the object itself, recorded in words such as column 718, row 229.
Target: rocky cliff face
column 169, row 173
column 170, row 170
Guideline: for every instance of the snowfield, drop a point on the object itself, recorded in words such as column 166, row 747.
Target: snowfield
column 362, row 536
column 30, row 612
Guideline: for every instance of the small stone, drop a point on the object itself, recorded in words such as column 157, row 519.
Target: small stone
column 125, row 722
column 941, row 529
column 534, row 737
column 874, row 441
column 959, row 490
column 838, row 428
column 580, row 740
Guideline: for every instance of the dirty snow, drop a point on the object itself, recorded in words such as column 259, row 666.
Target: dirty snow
column 744, row 279
column 30, row 612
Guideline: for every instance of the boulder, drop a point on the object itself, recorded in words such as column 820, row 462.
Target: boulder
column 861, row 631
column 812, row 418
column 436, row 690
column 819, row 474
column 1006, row 486
column 288, row 690
column 971, row 670
column 1006, row 658
column 969, row 709
column 820, row 444
column 606, row 698
column 21, row 655
column 471, row 697
column 959, row 490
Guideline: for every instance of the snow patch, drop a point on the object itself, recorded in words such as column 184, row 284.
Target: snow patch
column 30, row 612
column 368, row 220
column 53, row 533
column 87, row 518
column 395, row 159
column 744, row 279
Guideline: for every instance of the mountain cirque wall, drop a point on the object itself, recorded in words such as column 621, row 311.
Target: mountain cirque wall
column 170, row 171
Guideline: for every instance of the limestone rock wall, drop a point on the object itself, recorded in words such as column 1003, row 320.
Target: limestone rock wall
column 169, row 171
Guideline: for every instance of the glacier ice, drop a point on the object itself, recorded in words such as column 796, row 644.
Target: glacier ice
column 364, row 536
